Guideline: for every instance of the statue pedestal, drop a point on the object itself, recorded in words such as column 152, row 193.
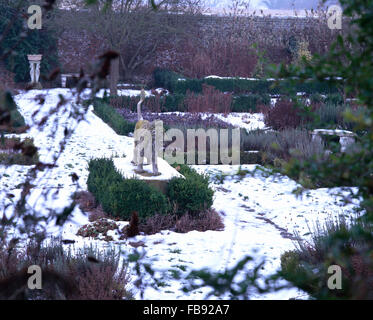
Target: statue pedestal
column 34, row 60
column 127, row 169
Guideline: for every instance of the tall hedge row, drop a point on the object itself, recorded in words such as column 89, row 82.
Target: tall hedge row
column 176, row 102
column 177, row 84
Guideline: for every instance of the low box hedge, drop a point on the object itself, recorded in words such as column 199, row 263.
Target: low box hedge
column 110, row 116
column 120, row 197
column 178, row 84
column 191, row 195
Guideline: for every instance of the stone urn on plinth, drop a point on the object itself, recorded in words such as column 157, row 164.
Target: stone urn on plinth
column 34, row 60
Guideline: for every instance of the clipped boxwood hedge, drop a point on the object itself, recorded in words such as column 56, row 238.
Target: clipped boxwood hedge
column 175, row 102
column 165, row 78
column 242, row 86
column 110, row 116
column 170, row 80
column 120, row 197
column 190, row 195
column 250, row 102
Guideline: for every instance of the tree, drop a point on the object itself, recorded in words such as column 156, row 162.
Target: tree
column 130, row 27
column 350, row 246
column 20, row 41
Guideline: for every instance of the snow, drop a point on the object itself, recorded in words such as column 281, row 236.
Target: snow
column 246, row 120
column 337, row 132
column 127, row 169
column 261, row 214
column 121, row 92
column 241, row 78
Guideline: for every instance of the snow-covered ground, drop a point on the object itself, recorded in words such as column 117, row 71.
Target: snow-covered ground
column 261, row 214
column 249, row 121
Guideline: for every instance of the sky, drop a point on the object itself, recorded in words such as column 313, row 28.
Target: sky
column 268, row 4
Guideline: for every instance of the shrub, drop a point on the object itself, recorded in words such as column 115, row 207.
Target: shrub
column 166, row 79
column 86, row 200
column 207, row 220
column 302, row 52
column 336, row 243
column 133, row 227
column 178, row 102
column 331, row 116
column 174, row 103
column 316, row 98
column 120, row 197
column 14, row 151
column 110, row 116
column 192, row 194
column 284, row 115
column 250, row 102
column 335, row 99
column 220, row 56
column 211, row 100
column 282, row 145
column 157, row 223
column 87, row 274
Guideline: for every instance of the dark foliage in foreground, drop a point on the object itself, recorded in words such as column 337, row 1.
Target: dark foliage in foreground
column 85, row 275
column 15, row 151
column 337, row 243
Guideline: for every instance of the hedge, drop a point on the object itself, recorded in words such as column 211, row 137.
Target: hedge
column 170, row 80
column 119, row 197
column 165, row 78
column 190, row 195
column 242, row 86
column 249, row 103
column 110, row 116
column 175, row 102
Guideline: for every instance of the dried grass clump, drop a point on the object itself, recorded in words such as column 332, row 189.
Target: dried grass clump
column 87, row 203
column 204, row 221
column 86, row 200
column 157, row 223
column 284, row 115
column 208, row 220
column 84, row 275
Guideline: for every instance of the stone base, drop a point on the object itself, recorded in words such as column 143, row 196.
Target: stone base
column 35, row 86
column 128, row 170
